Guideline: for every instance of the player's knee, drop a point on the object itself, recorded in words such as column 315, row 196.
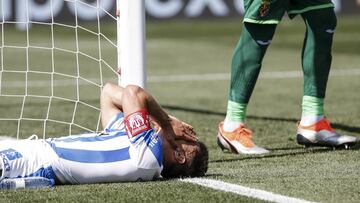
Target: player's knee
column 332, row 19
column 262, row 34
column 322, row 21
column 328, row 24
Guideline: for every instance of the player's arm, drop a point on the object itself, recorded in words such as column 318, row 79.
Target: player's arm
column 182, row 130
column 114, row 98
column 136, row 100
column 131, row 99
column 110, row 102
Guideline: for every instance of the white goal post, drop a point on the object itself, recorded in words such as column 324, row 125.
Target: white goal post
column 131, row 42
column 55, row 57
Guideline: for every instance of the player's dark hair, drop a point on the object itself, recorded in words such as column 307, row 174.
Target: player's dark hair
column 197, row 167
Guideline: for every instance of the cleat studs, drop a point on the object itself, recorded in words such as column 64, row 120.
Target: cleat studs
column 346, row 146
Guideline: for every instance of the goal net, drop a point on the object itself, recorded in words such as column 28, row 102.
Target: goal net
column 55, row 56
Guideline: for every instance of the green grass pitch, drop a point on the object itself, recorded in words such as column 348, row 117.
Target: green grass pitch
column 196, row 48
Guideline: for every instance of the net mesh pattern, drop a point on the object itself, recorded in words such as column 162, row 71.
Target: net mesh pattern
column 52, row 71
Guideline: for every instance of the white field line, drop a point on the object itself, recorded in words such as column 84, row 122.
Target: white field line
column 244, row 191
column 181, row 78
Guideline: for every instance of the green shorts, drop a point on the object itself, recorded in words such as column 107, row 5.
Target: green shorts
column 271, row 11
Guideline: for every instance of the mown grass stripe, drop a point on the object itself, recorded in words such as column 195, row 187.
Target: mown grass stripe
column 184, row 78
column 226, row 76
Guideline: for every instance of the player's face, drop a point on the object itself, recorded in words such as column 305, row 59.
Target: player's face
column 190, row 149
column 171, row 156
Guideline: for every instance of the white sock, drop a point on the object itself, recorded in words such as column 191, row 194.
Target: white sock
column 307, row 120
column 230, row 125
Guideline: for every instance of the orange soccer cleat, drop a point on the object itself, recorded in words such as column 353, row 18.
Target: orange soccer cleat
column 321, row 134
column 239, row 141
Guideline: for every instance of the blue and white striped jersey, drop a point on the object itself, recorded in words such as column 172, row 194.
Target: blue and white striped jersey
column 108, row 157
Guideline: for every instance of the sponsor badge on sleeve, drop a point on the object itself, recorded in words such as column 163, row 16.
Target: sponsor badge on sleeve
column 137, row 123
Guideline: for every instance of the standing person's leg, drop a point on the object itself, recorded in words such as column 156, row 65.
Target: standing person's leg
column 261, row 18
column 314, row 128
column 246, row 64
column 316, row 62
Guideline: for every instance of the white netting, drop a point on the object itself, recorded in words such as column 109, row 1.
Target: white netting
column 52, row 71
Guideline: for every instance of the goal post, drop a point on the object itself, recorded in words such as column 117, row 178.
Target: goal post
column 54, row 64
column 131, row 42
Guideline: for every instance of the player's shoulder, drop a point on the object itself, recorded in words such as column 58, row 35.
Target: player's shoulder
column 147, row 150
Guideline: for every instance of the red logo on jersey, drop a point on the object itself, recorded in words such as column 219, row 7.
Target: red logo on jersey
column 137, row 122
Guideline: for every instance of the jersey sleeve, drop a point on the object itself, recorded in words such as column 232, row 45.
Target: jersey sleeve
column 146, row 151
column 137, row 124
column 116, row 123
column 145, row 147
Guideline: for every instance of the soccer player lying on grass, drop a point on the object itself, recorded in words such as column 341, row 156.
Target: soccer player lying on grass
column 128, row 149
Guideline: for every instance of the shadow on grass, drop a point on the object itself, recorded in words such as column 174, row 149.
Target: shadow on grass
column 241, row 157
column 340, row 126
column 310, row 150
column 208, row 175
column 213, row 175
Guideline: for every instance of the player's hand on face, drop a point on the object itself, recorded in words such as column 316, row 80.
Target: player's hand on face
column 177, row 130
column 183, row 130
column 170, row 136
